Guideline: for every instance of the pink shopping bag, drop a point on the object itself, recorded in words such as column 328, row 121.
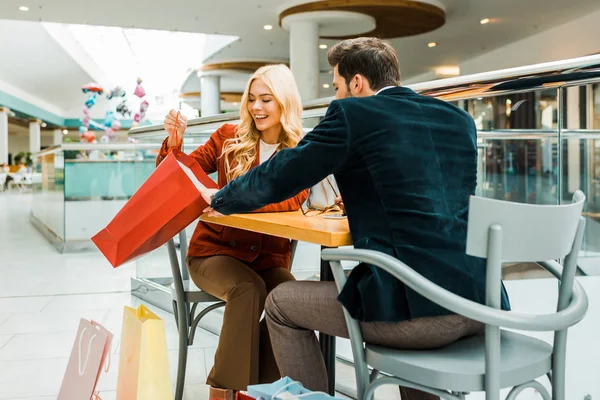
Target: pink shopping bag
column 90, row 352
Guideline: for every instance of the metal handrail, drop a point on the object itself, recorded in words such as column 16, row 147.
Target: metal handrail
column 575, row 71
column 95, row 146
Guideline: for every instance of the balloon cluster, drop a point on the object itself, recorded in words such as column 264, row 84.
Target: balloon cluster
column 93, row 90
column 140, row 92
column 111, row 122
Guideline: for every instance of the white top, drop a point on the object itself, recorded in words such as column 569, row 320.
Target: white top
column 267, row 150
column 384, row 88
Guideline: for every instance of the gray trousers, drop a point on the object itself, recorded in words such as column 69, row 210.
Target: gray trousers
column 294, row 310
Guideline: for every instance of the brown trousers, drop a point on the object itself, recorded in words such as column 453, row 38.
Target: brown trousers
column 295, row 310
column 244, row 355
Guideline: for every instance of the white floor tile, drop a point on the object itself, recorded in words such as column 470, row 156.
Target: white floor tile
column 80, row 286
column 195, row 371
column 16, row 287
column 108, row 395
column 209, row 359
column 37, row 346
column 55, row 321
column 4, row 339
column 99, row 301
column 16, row 305
column 197, row 391
column 31, row 378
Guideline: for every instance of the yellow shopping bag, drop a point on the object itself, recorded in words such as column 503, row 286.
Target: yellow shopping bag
column 143, row 359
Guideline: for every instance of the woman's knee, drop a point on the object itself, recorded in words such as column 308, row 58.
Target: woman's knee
column 249, row 286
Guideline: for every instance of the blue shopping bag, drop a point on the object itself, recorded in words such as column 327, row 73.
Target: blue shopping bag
column 286, row 389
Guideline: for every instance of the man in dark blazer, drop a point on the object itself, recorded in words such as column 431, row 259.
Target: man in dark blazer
column 406, row 165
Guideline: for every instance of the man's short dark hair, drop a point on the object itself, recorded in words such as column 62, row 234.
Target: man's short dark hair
column 370, row 57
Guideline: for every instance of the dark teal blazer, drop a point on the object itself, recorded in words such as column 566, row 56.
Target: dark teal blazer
column 406, row 165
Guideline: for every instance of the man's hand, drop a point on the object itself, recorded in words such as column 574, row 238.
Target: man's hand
column 175, row 125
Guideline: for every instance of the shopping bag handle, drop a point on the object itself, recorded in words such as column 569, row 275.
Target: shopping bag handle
column 87, row 357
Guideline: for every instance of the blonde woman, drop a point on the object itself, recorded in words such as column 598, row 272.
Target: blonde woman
column 238, row 266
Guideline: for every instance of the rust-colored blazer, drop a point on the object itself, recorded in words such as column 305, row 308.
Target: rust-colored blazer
column 257, row 250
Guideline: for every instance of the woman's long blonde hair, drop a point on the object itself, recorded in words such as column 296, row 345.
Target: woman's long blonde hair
column 240, row 152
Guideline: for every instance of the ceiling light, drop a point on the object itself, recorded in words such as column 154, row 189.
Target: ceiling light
column 431, row 44
column 65, row 132
column 323, row 46
column 23, row 8
column 44, row 125
column 484, row 21
column 447, row 71
column 326, row 86
column 268, row 27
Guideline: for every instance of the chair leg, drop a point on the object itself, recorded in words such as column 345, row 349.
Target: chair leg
column 175, row 313
column 183, row 329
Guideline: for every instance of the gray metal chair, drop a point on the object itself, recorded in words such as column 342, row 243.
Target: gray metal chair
column 184, row 294
column 498, row 231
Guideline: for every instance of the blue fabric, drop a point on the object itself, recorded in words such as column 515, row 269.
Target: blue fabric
column 272, row 391
column 405, row 165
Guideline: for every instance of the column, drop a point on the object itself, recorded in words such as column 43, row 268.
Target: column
column 58, row 137
column 304, row 57
column 573, row 153
column 35, row 137
column 210, row 95
column 4, row 135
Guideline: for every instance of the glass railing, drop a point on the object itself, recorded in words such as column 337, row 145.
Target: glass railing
column 78, row 188
column 538, row 138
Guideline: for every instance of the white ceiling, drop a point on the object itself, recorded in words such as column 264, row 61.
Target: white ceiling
column 32, row 61
column 43, row 68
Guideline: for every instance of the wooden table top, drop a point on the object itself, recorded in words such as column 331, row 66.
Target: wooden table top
column 292, row 225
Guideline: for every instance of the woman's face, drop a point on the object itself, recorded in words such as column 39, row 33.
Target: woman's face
column 263, row 107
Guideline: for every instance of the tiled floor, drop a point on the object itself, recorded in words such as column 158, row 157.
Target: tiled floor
column 43, row 294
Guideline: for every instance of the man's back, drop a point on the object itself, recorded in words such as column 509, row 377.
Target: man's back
column 406, row 185
column 405, row 165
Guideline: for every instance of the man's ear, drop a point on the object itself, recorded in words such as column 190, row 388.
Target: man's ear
column 357, row 83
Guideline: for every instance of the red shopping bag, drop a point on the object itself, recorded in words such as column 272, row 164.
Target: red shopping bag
column 91, row 351
column 164, row 205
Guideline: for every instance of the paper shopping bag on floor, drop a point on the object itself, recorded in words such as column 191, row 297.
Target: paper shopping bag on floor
column 91, row 351
column 167, row 202
column 143, row 359
column 285, row 389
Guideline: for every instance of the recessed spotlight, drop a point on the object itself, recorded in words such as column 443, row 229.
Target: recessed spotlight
column 431, row 44
column 323, row 46
column 23, row 8
column 484, row 21
column 44, row 125
column 65, row 132
column 326, row 85
column 268, row 27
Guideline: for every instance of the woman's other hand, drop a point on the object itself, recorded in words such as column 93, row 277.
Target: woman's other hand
column 175, row 124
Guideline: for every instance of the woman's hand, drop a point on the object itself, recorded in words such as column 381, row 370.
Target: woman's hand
column 207, row 195
column 175, row 124
column 340, row 203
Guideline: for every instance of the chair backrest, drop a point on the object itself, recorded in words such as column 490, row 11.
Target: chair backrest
column 529, row 232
